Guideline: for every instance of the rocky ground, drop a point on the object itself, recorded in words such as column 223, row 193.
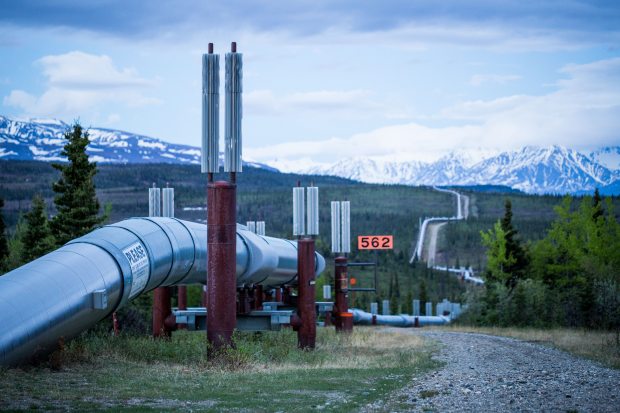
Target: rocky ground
column 495, row 374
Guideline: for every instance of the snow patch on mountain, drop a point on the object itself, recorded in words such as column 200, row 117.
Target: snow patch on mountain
column 608, row 157
column 532, row 169
column 43, row 139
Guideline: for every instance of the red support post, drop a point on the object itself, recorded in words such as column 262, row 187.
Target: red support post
column 244, row 304
column 182, row 302
column 287, row 296
column 306, row 303
column 221, row 262
column 162, row 309
column 115, row 325
column 259, row 296
column 343, row 320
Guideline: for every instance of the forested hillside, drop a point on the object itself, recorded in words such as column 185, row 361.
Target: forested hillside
column 267, row 195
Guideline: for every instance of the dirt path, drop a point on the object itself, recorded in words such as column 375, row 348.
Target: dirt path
column 433, row 231
column 488, row 374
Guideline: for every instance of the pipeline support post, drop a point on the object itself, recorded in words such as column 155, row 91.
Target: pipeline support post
column 162, row 309
column 182, row 302
column 221, row 263
column 343, row 320
column 306, row 302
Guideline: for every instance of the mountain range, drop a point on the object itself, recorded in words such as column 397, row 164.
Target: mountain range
column 554, row 169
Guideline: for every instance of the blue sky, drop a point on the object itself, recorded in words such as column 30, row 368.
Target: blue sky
column 324, row 80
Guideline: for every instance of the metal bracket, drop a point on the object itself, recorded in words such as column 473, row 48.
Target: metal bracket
column 100, row 299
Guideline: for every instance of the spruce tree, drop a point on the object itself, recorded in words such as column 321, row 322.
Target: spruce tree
column 597, row 205
column 4, row 245
column 38, row 239
column 76, row 200
column 423, row 296
column 515, row 252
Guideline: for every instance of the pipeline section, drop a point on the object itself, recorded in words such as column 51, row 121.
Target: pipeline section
column 57, row 296
column 363, row 318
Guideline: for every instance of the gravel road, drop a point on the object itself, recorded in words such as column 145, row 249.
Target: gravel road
column 433, row 230
column 465, row 206
column 496, row 374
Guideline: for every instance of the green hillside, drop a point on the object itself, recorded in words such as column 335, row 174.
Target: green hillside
column 267, row 195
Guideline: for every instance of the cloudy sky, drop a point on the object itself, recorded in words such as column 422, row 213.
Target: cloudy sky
column 323, row 80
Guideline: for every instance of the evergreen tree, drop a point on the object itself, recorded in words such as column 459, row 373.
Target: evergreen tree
column 497, row 258
column 4, row 245
column 423, row 297
column 396, row 291
column 597, row 205
column 517, row 266
column 38, row 239
column 76, row 200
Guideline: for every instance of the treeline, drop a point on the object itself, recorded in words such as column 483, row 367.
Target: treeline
column 570, row 277
column 76, row 204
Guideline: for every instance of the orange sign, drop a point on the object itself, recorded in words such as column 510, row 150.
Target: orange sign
column 352, row 281
column 375, row 242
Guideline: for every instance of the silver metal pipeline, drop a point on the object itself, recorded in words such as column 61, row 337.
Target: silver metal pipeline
column 68, row 290
column 403, row 320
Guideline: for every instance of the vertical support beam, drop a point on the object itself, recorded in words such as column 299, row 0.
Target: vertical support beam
column 182, row 302
column 343, row 320
column 161, row 310
column 287, row 296
column 259, row 296
column 221, row 261
column 386, row 307
column 306, row 305
column 162, row 307
column 416, row 307
column 429, row 308
column 115, row 325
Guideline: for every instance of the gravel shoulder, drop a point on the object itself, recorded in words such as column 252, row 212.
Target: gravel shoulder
column 487, row 373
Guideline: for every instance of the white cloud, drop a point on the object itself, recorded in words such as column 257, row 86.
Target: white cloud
column 113, row 118
column 583, row 113
column 79, row 70
column 424, row 35
column 265, row 102
column 481, row 110
column 77, row 82
column 478, row 80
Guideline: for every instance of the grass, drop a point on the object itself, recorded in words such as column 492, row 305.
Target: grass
column 591, row 344
column 264, row 372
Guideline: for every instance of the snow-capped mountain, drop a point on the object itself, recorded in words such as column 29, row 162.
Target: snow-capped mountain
column 43, row 140
column 371, row 171
column 554, row 169
column 542, row 170
column 608, row 156
column 531, row 169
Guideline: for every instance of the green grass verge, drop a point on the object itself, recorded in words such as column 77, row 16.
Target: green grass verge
column 264, row 372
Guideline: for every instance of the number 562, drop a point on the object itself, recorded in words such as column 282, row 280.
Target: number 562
column 375, row 242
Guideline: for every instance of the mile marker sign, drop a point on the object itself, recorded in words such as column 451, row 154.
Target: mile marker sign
column 375, row 242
